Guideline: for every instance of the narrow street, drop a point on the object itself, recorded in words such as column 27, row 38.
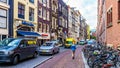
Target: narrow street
column 64, row 60
column 52, row 31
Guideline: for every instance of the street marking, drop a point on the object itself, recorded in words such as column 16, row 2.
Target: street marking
column 84, row 60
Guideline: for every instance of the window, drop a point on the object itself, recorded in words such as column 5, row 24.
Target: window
column 3, row 18
column 55, row 24
column 32, row 1
column 109, row 18
column 4, row 1
column 48, row 15
column 52, row 22
column 63, row 21
column 44, row 27
column 60, row 22
column 118, row 10
column 40, row 12
column 40, row 1
column 60, row 7
column 44, row 14
column 44, row 2
column 40, row 27
column 48, row 5
column 31, row 14
column 21, row 11
column 66, row 23
column 47, row 28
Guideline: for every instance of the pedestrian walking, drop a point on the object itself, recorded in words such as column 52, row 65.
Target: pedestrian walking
column 73, row 48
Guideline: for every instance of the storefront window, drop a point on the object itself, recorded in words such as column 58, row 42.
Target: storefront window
column 3, row 37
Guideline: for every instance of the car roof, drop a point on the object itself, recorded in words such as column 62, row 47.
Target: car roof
column 25, row 38
column 48, row 42
column 51, row 42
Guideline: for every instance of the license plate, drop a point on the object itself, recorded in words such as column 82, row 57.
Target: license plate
column 43, row 50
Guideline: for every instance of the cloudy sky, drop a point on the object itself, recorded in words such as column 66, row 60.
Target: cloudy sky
column 88, row 9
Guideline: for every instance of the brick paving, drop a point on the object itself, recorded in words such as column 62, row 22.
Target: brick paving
column 64, row 60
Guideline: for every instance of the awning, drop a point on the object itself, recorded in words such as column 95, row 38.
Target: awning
column 27, row 33
column 27, row 23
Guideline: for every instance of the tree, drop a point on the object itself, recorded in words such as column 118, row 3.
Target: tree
column 92, row 37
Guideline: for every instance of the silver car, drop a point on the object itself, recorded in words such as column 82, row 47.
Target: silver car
column 49, row 48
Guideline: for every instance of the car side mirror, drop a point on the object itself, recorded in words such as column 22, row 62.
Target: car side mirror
column 21, row 45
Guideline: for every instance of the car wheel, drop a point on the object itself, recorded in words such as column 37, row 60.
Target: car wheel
column 58, row 51
column 15, row 60
column 35, row 55
column 53, row 53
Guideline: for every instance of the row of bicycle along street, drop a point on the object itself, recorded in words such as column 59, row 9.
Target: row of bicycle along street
column 102, row 56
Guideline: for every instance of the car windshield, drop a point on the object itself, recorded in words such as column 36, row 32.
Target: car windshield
column 91, row 42
column 14, row 43
column 47, row 44
column 6, row 41
column 82, row 41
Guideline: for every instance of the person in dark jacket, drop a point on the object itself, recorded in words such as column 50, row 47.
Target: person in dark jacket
column 73, row 48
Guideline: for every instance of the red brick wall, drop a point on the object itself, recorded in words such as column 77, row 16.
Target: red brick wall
column 113, row 33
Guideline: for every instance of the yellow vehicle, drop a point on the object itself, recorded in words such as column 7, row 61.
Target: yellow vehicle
column 69, row 42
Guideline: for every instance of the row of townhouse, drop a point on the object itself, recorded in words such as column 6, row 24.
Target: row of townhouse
column 108, row 22
column 51, row 19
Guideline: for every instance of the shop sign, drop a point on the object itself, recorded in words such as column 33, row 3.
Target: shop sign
column 44, row 36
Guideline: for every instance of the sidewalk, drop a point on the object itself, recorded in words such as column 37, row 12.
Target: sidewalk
column 64, row 60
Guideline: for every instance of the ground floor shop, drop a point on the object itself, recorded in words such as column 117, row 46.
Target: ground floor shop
column 43, row 38
column 3, row 34
column 24, row 28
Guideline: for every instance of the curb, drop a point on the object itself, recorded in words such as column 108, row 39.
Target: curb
column 43, row 61
column 84, row 60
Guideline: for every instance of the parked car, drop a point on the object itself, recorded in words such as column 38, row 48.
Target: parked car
column 58, row 42
column 90, row 42
column 82, row 42
column 49, row 47
column 18, row 49
column 6, row 41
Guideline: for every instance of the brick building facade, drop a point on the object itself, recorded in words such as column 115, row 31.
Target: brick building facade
column 109, row 22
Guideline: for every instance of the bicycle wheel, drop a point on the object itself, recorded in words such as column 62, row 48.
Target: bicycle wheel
column 90, row 60
column 97, row 64
column 118, row 64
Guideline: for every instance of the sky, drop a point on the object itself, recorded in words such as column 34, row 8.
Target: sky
column 88, row 9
